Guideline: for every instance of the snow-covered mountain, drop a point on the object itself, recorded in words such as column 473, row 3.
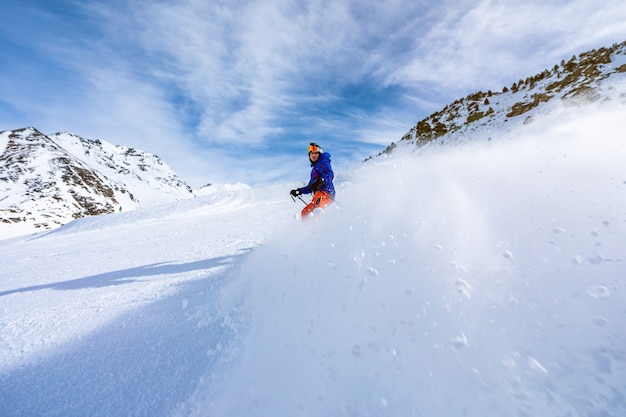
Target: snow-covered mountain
column 48, row 180
column 588, row 77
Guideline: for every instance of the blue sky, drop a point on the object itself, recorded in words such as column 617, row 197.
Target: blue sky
column 233, row 91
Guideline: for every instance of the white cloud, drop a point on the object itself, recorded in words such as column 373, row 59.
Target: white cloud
column 491, row 44
column 210, row 85
column 247, row 68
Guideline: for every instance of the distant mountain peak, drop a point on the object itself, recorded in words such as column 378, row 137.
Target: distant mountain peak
column 48, row 180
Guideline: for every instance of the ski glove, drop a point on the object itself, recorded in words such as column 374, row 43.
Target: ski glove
column 318, row 184
column 296, row 192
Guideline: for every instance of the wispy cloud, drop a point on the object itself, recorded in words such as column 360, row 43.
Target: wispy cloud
column 234, row 90
column 492, row 43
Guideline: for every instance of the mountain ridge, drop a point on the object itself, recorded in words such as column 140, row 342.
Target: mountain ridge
column 48, row 180
column 579, row 79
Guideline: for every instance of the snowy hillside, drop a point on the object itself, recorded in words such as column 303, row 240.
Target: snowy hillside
column 483, row 279
column 582, row 78
column 150, row 179
column 48, row 180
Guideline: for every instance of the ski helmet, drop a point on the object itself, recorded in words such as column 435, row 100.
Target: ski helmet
column 314, row 147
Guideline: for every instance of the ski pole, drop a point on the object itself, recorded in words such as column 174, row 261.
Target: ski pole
column 337, row 202
column 299, row 198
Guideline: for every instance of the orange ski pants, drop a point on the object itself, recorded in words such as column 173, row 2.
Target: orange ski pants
column 320, row 199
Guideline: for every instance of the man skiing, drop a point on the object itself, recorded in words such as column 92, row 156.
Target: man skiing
column 321, row 182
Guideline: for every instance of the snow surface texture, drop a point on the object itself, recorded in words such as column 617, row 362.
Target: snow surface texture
column 485, row 279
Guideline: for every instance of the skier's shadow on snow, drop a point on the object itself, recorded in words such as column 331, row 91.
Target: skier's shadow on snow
column 127, row 276
column 147, row 362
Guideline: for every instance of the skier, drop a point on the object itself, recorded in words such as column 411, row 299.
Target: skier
column 321, row 182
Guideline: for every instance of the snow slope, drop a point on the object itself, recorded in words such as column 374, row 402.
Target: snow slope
column 485, row 279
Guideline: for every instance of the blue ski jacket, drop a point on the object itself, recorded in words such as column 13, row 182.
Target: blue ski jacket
column 321, row 169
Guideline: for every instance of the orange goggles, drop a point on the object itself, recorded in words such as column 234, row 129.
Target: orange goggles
column 313, row 148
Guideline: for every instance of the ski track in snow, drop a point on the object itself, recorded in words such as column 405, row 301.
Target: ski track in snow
column 480, row 280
